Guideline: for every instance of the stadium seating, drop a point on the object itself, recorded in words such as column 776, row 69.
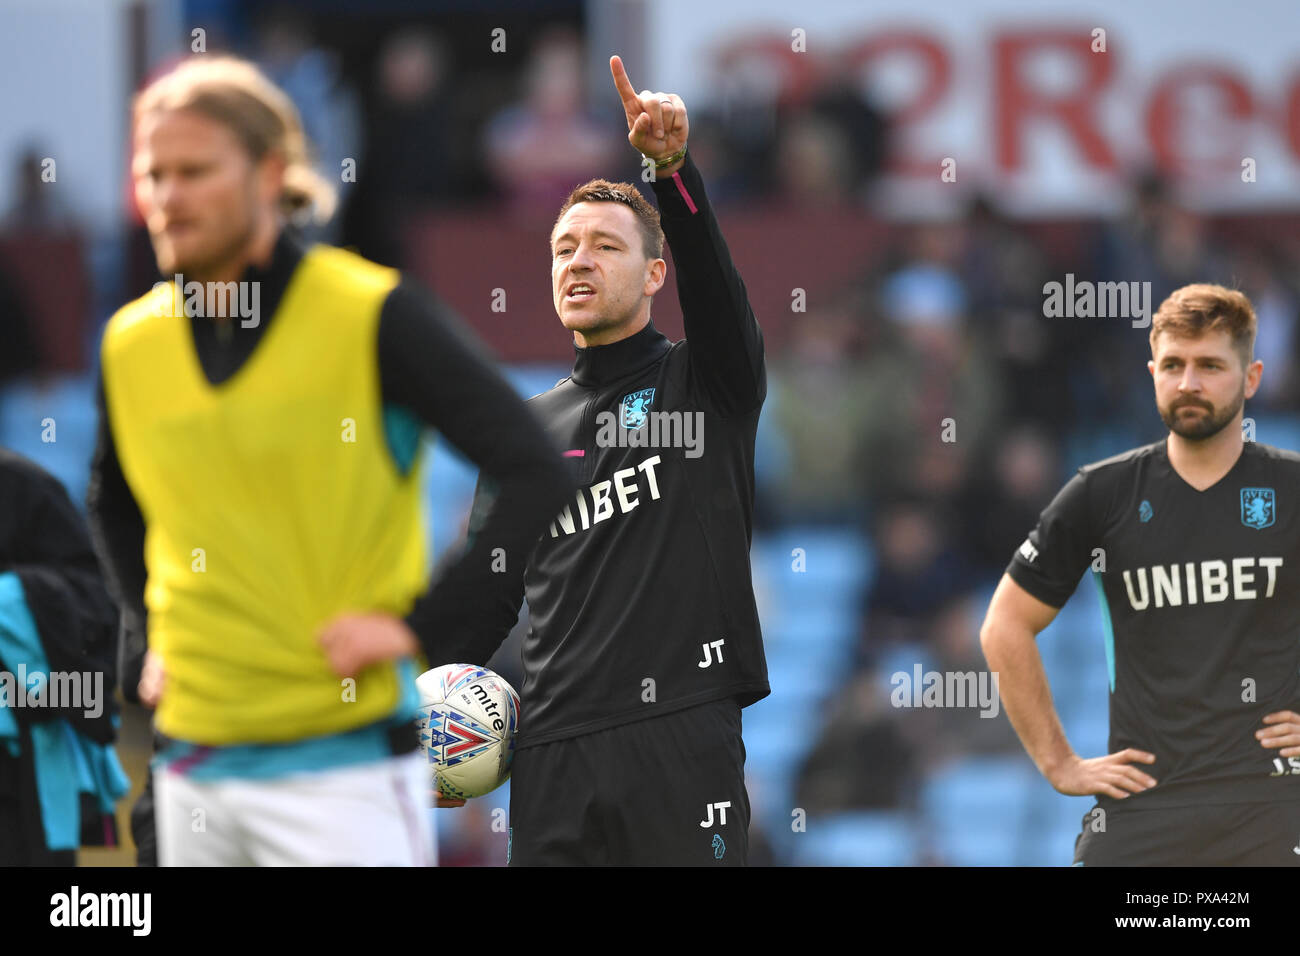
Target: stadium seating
column 60, row 407
column 886, row 838
column 973, row 811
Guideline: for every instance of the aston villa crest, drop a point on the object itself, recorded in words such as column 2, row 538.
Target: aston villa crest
column 1257, row 507
column 635, row 406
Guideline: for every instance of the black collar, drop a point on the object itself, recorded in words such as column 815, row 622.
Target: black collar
column 602, row 364
column 224, row 346
column 275, row 276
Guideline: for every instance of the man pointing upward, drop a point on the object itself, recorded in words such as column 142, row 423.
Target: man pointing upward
column 644, row 642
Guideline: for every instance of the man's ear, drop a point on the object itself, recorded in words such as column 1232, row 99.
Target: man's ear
column 656, row 275
column 270, row 175
column 1254, row 371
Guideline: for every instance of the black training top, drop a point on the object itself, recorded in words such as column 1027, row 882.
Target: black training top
column 1201, row 610
column 639, row 592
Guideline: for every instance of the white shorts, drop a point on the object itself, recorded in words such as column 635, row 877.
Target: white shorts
column 371, row 814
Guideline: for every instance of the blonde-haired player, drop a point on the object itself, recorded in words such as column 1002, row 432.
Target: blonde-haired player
column 256, row 492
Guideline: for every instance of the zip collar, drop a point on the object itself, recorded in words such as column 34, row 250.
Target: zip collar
column 600, row 365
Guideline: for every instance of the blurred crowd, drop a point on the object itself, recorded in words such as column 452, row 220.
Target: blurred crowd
column 938, row 406
column 928, row 403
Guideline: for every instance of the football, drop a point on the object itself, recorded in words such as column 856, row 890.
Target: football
column 467, row 717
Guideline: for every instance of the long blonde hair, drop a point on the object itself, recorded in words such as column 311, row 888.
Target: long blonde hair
column 236, row 93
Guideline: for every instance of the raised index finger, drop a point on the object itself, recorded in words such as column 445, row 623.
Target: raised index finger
column 626, row 92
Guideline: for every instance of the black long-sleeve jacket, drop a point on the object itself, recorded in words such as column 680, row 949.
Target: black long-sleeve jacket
column 639, row 592
column 428, row 367
column 44, row 542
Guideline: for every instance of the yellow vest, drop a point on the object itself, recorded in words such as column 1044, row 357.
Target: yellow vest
column 271, row 503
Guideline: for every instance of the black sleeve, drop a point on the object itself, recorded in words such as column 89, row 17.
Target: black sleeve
column 117, row 529
column 481, row 628
column 434, row 367
column 724, row 342
column 1059, row 550
column 74, row 616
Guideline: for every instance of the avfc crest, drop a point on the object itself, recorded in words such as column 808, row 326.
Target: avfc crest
column 1257, row 507
column 635, row 406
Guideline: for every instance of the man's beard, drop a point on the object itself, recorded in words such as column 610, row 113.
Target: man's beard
column 1204, row 426
column 231, row 248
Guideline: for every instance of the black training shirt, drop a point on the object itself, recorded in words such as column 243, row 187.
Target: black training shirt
column 1201, row 613
column 639, row 592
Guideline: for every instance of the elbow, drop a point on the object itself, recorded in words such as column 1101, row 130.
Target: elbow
column 990, row 642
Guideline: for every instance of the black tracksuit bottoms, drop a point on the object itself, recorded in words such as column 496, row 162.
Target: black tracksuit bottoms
column 664, row 791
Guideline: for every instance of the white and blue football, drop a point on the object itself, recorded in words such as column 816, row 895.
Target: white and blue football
column 468, row 716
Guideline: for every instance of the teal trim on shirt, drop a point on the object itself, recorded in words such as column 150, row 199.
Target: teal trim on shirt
column 408, row 703
column 67, row 762
column 403, row 430
column 1109, row 629
column 270, row 761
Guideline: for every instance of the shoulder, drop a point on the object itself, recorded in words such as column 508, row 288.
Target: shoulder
column 19, row 473
column 1276, row 457
column 559, row 396
column 1096, row 486
column 678, row 359
column 344, row 266
column 139, row 317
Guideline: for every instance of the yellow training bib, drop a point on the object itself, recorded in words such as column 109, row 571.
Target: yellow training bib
column 271, row 504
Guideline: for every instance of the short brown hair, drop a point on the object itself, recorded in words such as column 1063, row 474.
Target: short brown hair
column 602, row 190
column 1196, row 309
column 237, row 94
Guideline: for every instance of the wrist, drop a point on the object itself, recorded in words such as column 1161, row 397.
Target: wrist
column 667, row 165
column 1055, row 763
column 407, row 639
column 667, row 173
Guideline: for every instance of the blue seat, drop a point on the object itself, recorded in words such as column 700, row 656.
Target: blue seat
column 777, row 736
column 774, row 716
column 1281, row 431
column 772, row 756
column 827, row 656
column 68, row 404
column 799, row 679
column 902, row 659
column 1058, row 820
column 974, row 809
column 819, row 622
column 868, row 838
column 1088, row 730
